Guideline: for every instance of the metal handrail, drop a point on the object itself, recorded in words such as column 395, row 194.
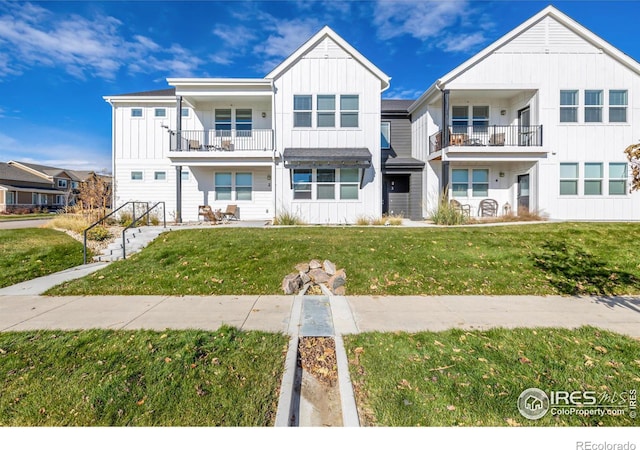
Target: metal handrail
column 135, row 220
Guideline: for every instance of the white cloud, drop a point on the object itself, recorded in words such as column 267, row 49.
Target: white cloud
column 32, row 36
column 432, row 21
column 402, row 93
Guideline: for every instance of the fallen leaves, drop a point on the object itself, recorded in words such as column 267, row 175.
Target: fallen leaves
column 318, row 357
column 524, row 360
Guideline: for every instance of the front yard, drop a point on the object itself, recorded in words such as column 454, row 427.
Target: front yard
column 541, row 259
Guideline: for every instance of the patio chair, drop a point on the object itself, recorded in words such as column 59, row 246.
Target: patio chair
column 227, row 145
column 496, row 139
column 194, row 145
column 231, row 213
column 488, row 208
column 206, row 213
column 464, row 209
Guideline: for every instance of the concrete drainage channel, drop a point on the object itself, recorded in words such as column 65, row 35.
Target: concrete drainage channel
column 317, row 397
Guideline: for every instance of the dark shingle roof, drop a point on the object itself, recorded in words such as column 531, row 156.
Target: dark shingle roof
column 10, row 172
column 395, row 105
column 170, row 92
column 48, row 170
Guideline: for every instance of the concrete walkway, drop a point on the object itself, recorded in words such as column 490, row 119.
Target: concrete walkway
column 349, row 314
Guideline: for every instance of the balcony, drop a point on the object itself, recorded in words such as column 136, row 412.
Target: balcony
column 221, row 140
column 493, row 136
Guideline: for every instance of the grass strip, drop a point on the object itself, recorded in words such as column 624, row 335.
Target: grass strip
column 465, row 378
column 140, row 378
column 541, row 259
column 33, row 252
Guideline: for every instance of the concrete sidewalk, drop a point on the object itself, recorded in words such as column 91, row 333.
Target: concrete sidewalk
column 279, row 313
column 40, row 285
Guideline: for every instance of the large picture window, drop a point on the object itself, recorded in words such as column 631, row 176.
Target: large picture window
column 321, row 184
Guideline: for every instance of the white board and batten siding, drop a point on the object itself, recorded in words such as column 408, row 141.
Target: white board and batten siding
column 328, row 69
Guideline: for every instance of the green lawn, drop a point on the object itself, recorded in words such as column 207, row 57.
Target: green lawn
column 33, row 252
column 140, row 378
column 10, row 217
column 463, row 378
column 550, row 258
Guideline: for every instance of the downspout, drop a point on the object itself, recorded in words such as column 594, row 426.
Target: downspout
column 113, row 156
column 178, row 168
column 274, row 174
column 444, row 176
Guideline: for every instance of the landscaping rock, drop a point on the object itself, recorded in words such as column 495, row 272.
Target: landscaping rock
column 302, row 267
column 329, row 267
column 315, row 264
column 340, row 291
column 305, row 277
column 319, row 275
column 337, row 280
column 291, row 283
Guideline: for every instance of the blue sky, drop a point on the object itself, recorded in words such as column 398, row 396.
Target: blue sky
column 57, row 59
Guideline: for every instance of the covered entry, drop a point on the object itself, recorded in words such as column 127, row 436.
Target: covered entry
column 402, row 187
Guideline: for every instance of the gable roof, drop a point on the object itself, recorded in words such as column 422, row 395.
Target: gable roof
column 315, row 40
column 13, row 173
column 549, row 11
column 169, row 92
column 394, row 105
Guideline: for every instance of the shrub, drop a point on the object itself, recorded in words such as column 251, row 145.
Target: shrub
column 72, row 222
column 99, row 233
column 286, row 217
column 363, row 220
column 447, row 214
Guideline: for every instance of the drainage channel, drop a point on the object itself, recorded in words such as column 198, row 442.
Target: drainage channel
column 316, row 389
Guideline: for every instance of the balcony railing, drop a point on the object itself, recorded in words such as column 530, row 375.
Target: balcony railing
column 488, row 136
column 222, row 140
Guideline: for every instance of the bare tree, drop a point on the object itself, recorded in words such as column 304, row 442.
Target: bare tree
column 633, row 155
column 94, row 194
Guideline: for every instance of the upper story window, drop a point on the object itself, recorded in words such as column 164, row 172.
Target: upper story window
column 326, row 105
column 223, row 122
column 62, row 183
column 349, row 110
column 593, row 106
column 569, row 106
column 480, row 119
column 136, row 175
column 185, row 112
column 244, row 122
column 302, row 111
column 159, row 176
column 160, row 112
column 385, row 135
column 136, row 112
column 459, row 119
column 617, row 106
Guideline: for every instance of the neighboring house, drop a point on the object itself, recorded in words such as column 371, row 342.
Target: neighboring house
column 305, row 139
column 537, row 121
column 34, row 186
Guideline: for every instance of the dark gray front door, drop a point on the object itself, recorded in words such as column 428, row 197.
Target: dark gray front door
column 396, row 193
column 523, row 193
column 524, row 123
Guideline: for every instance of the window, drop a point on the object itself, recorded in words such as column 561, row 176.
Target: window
column 39, row 199
column 185, row 112
column 480, row 183
column 11, row 198
column 244, row 186
column 617, row 178
column 302, row 179
column 326, row 188
column 223, row 122
column 568, row 178
column 349, row 107
column 159, row 176
column 617, row 106
column 302, row 111
column 136, row 112
column 480, row 119
column 160, row 112
column 459, row 119
column 184, row 175
column 34, row 199
column 223, row 186
column 326, row 111
column 568, row 106
column 62, row 183
column 459, row 182
column 593, row 178
column 243, row 122
column 59, row 199
column 74, row 185
column 349, row 184
column 136, row 175
column 592, row 106
column 385, row 135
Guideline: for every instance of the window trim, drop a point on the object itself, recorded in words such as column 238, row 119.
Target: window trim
column 245, row 187
column 184, row 112
column 350, row 111
column 388, row 137
column 133, row 113
column 131, row 176
column 13, row 198
column 574, row 180
column 62, row 183
column 338, row 183
column 623, row 180
column 590, row 180
column 223, row 131
column 588, row 107
column 622, row 107
column 575, row 107
column 156, row 112
column 329, row 113
column 157, row 172
column 244, row 128
column 306, row 112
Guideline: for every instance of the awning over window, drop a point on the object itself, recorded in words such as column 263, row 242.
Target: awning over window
column 332, row 158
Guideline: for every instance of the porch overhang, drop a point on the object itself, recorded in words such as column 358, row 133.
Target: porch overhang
column 396, row 164
column 327, row 157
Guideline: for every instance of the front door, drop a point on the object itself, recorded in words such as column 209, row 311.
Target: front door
column 396, row 195
column 523, row 193
column 524, row 126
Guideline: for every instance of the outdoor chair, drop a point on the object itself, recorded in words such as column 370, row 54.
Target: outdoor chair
column 496, row 139
column 464, row 209
column 227, row 145
column 206, row 213
column 231, row 213
column 194, row 145
column 488, row 208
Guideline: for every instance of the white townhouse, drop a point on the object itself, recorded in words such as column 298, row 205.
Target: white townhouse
column 538, row 120
column 305, row 139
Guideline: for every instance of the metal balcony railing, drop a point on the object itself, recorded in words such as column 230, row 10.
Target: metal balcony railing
column 221, row 140
column 488, row 136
